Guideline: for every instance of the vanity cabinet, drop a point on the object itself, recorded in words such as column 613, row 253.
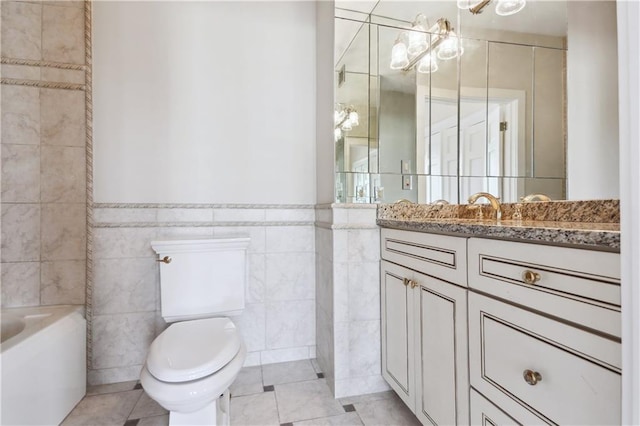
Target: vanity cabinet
column 498, row 332
column 544, row 339
column 424, row 317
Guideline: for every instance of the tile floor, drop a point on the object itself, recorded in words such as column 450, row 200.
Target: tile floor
column 289, row 393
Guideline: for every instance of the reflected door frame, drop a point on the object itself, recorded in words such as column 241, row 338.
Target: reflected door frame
column 513, row 104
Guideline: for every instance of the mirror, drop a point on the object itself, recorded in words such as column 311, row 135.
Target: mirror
column 492, row 119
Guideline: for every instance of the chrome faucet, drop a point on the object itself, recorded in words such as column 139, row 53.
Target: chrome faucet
column 534, row 197
column 495, row 202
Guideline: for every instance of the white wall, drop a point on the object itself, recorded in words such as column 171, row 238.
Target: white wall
column 325, row 156
column 204, row 102
column 592, row 90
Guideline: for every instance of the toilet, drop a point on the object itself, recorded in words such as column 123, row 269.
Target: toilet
column 192, row 363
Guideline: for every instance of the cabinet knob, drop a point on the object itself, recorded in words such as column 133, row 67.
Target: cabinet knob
column 530, row 277
column 532, row 377
column 409, row 282
column 165, row 259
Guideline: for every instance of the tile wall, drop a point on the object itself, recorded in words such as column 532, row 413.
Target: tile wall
column 278, row 323
column 43, row 152
column 348, row 294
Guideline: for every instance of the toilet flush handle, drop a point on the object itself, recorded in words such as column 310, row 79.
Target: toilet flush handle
column 165, row 259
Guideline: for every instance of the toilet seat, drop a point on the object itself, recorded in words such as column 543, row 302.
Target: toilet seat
column 193, row 349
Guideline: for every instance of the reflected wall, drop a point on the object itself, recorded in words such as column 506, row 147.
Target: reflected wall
column 493, row 119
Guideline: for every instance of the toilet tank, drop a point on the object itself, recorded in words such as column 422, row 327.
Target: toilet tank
column 201, row 278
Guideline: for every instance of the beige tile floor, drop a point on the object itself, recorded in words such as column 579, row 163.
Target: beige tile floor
column 289, row 393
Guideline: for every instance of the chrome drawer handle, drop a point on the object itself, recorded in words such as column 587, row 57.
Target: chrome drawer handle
column 532, row 377
column 530, row 277
column 165, row 259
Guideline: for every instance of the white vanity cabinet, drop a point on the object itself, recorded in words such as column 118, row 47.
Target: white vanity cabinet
column 424, row 324
column 544, row 339
column 495, row 332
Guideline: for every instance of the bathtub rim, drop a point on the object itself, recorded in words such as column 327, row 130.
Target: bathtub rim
column 51, row 314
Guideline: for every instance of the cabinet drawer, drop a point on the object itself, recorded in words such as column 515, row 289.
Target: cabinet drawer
column 573, row 376
column 484, row 413
column 440, row 256
column 582, row 286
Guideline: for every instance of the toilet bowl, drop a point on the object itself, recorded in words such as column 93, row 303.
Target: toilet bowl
column 192, row 363
column 190, row 366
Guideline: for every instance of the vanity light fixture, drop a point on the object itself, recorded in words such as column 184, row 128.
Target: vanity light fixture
column 503, row 7
column 345, row 119
column 412, row 46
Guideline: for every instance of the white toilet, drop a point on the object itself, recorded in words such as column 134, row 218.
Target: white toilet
column 191, row 364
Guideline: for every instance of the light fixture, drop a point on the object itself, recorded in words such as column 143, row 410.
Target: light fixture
column 427, row 64
column 444, row 45
column 503, row 7
column 399, row 54
column 450, row 47
column 417, row 36
column 344, row 119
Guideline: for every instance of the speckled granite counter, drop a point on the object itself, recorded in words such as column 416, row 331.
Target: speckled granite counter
column 587, row 224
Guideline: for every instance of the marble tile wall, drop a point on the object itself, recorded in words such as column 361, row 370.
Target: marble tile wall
column 279, row 321
column 43, row 153
column 352, row 302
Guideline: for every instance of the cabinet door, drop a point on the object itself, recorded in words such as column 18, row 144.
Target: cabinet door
column 442, row 373
column 398, row 331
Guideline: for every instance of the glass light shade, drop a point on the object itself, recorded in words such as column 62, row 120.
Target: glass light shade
column 417, row 40
column 353, row 118
column 346, row 126
column 399, row 58
column 450, row 48
column 337, row 134
column 427, row 64
column 509, row 7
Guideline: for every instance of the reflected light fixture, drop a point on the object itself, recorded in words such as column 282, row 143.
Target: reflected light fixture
column 344, row 119
column 412, row 46
column 503, row 7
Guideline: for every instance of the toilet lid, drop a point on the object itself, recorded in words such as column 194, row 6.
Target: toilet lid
column 192, row 349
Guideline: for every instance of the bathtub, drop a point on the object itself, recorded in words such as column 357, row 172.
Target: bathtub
column 43, row 363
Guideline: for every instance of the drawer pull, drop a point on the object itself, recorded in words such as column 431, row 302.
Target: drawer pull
column 531, row 377
column 165, row 259
column 405, row 281
column 530, row 277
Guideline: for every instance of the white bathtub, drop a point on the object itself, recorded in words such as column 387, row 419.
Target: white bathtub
column 43, row 363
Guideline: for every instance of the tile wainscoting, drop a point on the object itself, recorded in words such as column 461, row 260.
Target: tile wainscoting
column 348, row 298
column 278, row 323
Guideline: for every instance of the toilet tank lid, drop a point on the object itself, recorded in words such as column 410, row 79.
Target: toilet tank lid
column 200, row 244
column 193, row 349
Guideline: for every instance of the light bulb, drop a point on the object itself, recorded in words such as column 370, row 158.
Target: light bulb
column 427, row 65
column 509, row 7
column 399, row 57
column 450, row 48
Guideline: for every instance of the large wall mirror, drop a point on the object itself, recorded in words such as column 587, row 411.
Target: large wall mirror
column 434, row 102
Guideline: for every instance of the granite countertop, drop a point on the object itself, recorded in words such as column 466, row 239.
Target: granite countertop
column 585, row 224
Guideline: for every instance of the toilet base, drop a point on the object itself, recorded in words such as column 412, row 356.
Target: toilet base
column 215, row 413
